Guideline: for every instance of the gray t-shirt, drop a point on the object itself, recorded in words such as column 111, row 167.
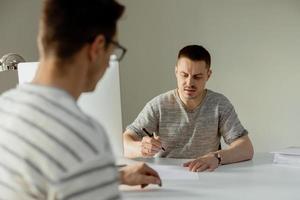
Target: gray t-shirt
column 185, row 133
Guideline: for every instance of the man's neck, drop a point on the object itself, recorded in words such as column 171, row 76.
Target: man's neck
column 65, row 76
column 191, row 104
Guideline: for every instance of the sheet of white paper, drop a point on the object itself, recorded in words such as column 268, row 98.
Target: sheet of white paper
column 174, row 172
column 289, row 151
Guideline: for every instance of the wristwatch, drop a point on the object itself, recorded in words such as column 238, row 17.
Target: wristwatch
column 218, row 156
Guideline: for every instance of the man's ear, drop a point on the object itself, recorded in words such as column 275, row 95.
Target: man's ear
column 209, row 73
column 97, row 47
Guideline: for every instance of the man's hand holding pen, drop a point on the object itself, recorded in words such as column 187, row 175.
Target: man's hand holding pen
column 150, row 144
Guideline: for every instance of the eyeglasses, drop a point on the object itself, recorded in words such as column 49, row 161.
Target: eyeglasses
column 119, row 51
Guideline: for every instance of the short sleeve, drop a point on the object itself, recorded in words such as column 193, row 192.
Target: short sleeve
column 147, row 118
column 230, row 126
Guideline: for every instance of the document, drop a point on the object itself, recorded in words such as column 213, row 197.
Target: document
column 174, row 172
column 289, row 151
column 288, row 156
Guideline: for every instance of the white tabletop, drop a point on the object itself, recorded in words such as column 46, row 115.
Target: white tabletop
column 255, row 179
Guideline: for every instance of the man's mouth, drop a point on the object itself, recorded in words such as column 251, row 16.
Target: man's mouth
column 188, row 90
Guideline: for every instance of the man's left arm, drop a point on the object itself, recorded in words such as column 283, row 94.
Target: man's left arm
column 239, row 150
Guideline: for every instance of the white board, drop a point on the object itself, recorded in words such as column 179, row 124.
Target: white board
column 104, row 104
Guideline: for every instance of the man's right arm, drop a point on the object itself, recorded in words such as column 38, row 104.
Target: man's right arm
column 139, row 174
column 134, row 146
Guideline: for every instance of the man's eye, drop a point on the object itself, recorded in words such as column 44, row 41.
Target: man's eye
column 184, row 75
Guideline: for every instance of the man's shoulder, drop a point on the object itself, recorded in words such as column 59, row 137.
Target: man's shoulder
column 215, row 95
column 95, row 124
column 10, row 92
column 11, row 99
column 163, row 98
column 217, row 98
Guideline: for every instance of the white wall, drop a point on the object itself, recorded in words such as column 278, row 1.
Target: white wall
column 255, row 48
column 18, row 30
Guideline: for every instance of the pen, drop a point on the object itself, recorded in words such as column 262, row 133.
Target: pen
column 151, row 135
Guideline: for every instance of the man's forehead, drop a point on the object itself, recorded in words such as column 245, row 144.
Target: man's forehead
column 187, row 65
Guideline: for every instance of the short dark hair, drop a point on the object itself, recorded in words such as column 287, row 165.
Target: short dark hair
column 195, row 53
column 68, row 25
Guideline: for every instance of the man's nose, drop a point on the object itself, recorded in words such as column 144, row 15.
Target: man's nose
column 190, row 81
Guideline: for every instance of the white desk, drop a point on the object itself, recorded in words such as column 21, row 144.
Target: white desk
column 256, row 179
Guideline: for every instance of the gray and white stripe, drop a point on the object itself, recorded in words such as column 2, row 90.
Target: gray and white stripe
column 49, row 148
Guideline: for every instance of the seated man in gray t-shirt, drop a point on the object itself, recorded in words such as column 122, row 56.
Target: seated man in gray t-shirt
column 188, row 122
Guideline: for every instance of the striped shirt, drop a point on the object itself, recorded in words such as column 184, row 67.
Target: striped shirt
column 189, row 133
column 50, row 149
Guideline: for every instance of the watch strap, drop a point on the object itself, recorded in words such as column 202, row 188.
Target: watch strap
column 218, row 156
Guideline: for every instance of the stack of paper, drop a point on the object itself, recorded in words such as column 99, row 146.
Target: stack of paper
column 289, row 156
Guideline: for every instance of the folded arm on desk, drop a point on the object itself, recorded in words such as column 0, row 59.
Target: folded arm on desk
column 239, row 150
